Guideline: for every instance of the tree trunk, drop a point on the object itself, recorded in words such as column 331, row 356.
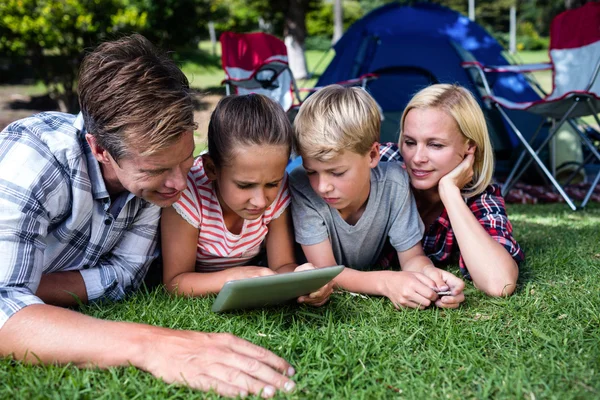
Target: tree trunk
column 338, row 21
column 295, row 33
column 569, row 4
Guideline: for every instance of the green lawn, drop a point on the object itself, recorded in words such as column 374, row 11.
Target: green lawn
column 540, row 343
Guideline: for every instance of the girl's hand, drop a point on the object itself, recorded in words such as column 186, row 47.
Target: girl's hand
column 319, row 297
column 460, row 176
column 445, row 281
column 408, row 289
column 247, row 271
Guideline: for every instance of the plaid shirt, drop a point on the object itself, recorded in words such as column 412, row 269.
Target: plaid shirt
column 439, row 242
column 56, row 215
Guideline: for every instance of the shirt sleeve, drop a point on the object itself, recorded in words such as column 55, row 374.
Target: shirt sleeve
column 389, row 152
column 490, row 210
column 281, row 202
column 407, row 228
column 32, row 194
column 189, row 204
column 309, row 225
column 122, row 271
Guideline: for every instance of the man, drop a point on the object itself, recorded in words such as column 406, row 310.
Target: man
column 80, row 201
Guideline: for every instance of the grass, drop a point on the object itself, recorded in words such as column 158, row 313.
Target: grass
column 540, row 343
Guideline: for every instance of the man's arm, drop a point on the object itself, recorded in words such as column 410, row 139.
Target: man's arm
column 229, row 365
column 62, row 289
column 117, row 273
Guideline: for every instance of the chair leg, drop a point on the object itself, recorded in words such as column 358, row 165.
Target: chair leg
column 589, row 193
column 534, row 155
column 551, row 134
column 512, row 179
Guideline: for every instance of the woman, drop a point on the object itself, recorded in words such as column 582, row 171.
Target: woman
column 448, row 155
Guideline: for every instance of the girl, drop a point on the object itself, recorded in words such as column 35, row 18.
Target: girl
column 237, row 199
column 448, row 155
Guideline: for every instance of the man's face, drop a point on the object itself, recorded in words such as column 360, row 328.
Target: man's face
column 344, row 181
column 158, row 178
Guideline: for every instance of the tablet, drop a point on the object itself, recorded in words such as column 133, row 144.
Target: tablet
column 273, row 289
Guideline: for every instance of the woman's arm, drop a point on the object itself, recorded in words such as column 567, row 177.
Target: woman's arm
column 179, row 243
column 492, row 268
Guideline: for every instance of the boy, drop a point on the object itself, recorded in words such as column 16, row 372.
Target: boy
column 345, row 205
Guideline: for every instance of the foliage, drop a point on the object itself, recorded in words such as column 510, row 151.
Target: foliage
column 540, row 343
column 51, row 35
column 176, row 24
column 319, row 22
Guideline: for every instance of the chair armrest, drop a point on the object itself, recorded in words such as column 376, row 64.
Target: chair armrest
column 519, row 68
column 362, row 80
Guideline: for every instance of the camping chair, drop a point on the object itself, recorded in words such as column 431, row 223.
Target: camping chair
column 258, row 63
column 575, row 64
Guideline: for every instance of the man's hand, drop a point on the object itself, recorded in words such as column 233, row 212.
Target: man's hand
column 216, row 361
column 408, row 289
column 445, row 281
column 319, row 297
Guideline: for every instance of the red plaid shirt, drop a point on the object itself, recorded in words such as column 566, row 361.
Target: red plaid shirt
column 439, row 242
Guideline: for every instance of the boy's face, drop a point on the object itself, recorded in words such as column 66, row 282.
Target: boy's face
column 344, row 181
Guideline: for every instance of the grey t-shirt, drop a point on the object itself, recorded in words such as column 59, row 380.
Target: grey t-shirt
column 391, row 211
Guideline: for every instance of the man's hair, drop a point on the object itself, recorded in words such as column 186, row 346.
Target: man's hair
column 134, row 98
column 460, row 104
column 246, row 120
column 336, row 119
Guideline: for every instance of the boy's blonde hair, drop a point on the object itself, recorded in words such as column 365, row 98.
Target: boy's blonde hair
column 460, row 104
column 335, row 119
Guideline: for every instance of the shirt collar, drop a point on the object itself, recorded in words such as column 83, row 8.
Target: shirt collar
column 99, row 191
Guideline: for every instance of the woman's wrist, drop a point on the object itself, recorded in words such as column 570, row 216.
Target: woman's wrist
column 448, row 191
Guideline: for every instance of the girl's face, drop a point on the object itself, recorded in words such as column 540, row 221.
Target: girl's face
column 432, row 146
column 250, row 181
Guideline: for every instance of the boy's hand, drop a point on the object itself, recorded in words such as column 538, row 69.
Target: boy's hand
column 445, row 281
column 247, row 271
column 319, row 297
column 408, row 289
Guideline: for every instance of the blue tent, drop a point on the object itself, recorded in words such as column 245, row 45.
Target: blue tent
column 410, row 47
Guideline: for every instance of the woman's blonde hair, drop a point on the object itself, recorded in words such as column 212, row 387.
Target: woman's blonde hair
column 460, row 104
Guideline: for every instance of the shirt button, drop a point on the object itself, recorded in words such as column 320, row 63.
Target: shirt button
column 107, row 222
column 85, row 266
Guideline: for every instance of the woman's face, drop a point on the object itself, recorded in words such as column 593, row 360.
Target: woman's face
column 432, row 146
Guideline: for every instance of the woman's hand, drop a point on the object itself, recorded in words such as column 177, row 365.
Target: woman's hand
column 460, row 176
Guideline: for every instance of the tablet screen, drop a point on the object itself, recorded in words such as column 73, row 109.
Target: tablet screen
column 273, row 289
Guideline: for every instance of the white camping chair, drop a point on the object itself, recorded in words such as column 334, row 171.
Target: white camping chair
column 575, row 64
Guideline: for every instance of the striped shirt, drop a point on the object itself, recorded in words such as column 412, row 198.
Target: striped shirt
column 56, row 215
column 218, row 248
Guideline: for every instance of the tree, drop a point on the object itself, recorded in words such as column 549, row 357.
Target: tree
column 52, row 34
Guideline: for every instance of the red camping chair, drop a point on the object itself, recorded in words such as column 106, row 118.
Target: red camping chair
column 575, row 64
column 258, row 63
